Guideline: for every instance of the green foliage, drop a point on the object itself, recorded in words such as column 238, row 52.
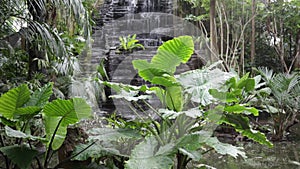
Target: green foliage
column 59, row 114
column 20, row 108
column 175, row 133
column 146, row 155
column 129, row 43
column 198, row 82
column 162, row 67
column 168, row 57
column 283, row 101
column 40, row 41
column 236, row 99
column 21, row 155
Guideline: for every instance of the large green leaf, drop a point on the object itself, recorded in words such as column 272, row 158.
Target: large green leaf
column 224, row 148
column 12, row 100
column 127, row 92
column 239, row 108
column 238, row 121
column 168, row 57
column 174, row 98
column 29, row 110
column 247, row 84
column 41, row 96
column 61, row 113
column 109, row 134
column 193, row 142
column 21, row 155
column 198, row 82
column 223, row 96
column 145, row 155
column 18, row 134
column 173, row 52
column 94, row 151
column 241, row 125
column 256, row 136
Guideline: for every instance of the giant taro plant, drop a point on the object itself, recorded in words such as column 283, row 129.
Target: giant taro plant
column 21, row 110
column 180, row 131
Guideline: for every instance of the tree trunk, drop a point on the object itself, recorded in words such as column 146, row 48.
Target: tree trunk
column 252, row 55
column 297, row 55
column 213, row 33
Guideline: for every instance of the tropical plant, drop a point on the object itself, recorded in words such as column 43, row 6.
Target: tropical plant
column 42, row 38
column 237, row 98
column 178, row 132
column 129, row 43
column 282, row 103
column 20, row 109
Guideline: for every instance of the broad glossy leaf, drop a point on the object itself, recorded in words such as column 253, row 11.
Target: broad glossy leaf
column 95, row 151
column 256, row 136
column 170, row 114
column 224, row 148
column 237, row 121
column 21, row 155
column 223, row 96
column 195, row 155
column 168, row 57
column 29, row 110
column 165, row 80
column 12, row 100
column 195, row 141
column 62, row 113
column 144, row 155
column 149, row 74
column 174, row 98
column 173, row 52
column 141, row 64
column 198, row 82
column 248, row 85
column 109, row 134
column 18, row 134
column 239, row 108
column 160, row 93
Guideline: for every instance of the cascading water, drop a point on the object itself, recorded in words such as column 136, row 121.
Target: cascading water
column 151, row 20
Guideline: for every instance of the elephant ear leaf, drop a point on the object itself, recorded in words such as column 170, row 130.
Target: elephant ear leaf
column 12, row 100
column 61, row 113
column 145, row 155
column 21, row 155
column 173, row 52
column 168, row 57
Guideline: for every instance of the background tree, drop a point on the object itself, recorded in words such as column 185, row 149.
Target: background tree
column 43, row 36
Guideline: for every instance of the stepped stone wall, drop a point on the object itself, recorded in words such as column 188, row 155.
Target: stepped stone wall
column 128, row 17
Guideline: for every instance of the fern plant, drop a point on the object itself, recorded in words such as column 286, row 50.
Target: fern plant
column 129, row 43
column 19, row 108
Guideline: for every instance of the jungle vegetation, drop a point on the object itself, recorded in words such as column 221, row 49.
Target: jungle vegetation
column 253, row 68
